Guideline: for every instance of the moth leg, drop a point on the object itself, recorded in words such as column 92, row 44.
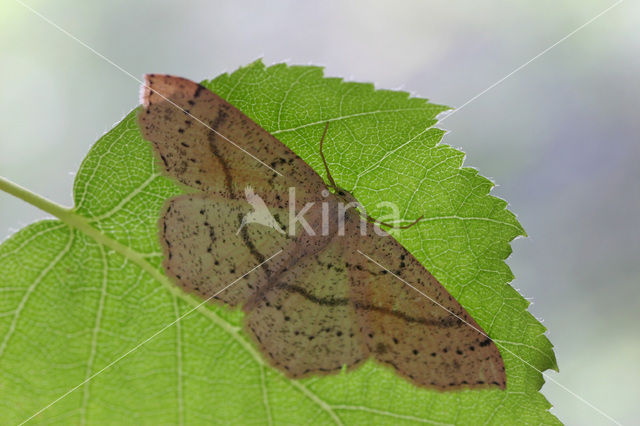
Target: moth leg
column 324, row 161
column 392, row 226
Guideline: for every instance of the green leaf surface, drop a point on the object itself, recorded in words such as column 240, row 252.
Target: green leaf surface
column 78, row 293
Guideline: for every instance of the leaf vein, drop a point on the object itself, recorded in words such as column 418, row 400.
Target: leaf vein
column 30, row 291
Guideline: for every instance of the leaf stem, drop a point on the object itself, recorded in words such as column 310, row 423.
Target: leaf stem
column 36, row 200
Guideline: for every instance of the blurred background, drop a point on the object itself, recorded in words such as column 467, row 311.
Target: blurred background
column 559, row 137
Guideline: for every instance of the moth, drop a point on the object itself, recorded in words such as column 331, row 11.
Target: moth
column 330, row 299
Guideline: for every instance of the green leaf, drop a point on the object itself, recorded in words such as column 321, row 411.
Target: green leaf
column 81, row 292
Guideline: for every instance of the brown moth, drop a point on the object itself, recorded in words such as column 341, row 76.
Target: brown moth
column 321, row 304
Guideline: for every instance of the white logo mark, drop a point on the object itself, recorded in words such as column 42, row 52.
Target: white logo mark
column 260, row 213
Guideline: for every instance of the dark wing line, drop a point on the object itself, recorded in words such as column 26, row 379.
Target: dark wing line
column 446, row 322
column 259, row 257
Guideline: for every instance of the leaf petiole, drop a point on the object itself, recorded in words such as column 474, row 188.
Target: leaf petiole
column 34, row 199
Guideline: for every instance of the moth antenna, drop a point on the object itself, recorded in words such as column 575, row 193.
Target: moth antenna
column 324, row 161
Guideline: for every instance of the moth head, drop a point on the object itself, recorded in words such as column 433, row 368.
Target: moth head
column 345, row 196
